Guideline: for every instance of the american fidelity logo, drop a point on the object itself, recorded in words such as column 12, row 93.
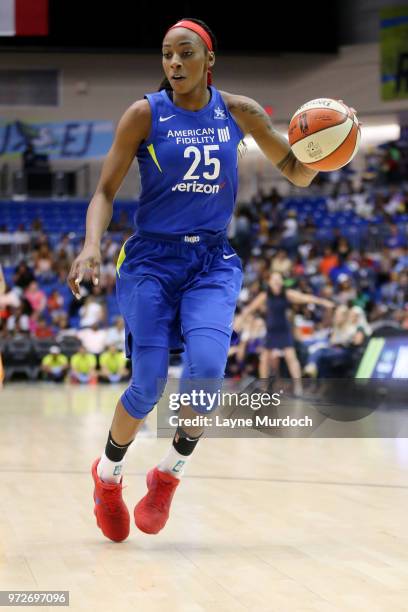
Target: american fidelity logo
column 224, row 134
column 198, row 136
column 192, row 137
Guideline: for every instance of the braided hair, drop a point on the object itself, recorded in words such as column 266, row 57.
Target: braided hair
column 165, row 84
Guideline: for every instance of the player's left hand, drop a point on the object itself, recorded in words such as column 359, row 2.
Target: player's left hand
column 87, row 263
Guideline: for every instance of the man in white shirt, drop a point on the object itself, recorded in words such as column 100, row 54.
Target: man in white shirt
column 93, row 339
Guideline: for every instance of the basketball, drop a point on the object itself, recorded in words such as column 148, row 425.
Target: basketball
column 324, row 134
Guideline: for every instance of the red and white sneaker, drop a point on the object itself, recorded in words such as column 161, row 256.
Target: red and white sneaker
column 112, row 515
column 152, row 512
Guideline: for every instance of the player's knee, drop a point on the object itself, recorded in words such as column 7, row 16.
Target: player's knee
column 141, row 396
column 149, row 374
column 208, row 354
column 207, row 361
column 203, row 393
column 207, row 367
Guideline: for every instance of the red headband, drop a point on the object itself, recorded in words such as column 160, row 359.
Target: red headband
column 195, row 27
column 191, row 25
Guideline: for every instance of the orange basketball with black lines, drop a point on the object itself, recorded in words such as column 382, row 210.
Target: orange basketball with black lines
column 324, row 134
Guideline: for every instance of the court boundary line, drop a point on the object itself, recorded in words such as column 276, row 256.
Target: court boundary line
column 231, row 478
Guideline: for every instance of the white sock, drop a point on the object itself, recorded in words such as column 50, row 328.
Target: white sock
column 110, row 471
column 173, row 463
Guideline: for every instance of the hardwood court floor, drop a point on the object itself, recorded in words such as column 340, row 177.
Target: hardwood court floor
column 264, row 524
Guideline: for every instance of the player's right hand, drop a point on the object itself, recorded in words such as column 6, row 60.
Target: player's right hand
column 89, row 259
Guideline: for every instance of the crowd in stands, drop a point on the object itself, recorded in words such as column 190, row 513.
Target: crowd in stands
column 350, row 247
column 38, row 305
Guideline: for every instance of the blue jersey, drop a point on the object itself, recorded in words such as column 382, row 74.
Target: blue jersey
column 188, row 167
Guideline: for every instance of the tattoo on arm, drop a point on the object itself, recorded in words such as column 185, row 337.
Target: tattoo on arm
column 288, row 159
column 245, row 107
column 289, row 165
column 253, row 109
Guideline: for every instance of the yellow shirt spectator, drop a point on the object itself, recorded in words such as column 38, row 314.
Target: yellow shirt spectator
column 54, row 361
column 113, row 362
column 83, row 362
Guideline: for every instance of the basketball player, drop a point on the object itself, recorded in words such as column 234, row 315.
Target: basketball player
column 178, row 278
column 278, row 329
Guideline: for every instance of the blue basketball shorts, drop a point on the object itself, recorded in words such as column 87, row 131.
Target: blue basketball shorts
column 167, row 286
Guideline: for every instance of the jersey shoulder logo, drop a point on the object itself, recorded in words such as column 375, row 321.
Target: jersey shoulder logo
column 161, row 119
column 219, row 113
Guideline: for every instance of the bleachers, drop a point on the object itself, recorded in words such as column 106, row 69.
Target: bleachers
column 357, row 230
column 57, row 216
column 61, row 217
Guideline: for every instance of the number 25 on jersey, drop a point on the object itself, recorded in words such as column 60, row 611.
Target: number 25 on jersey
column 208, row 161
